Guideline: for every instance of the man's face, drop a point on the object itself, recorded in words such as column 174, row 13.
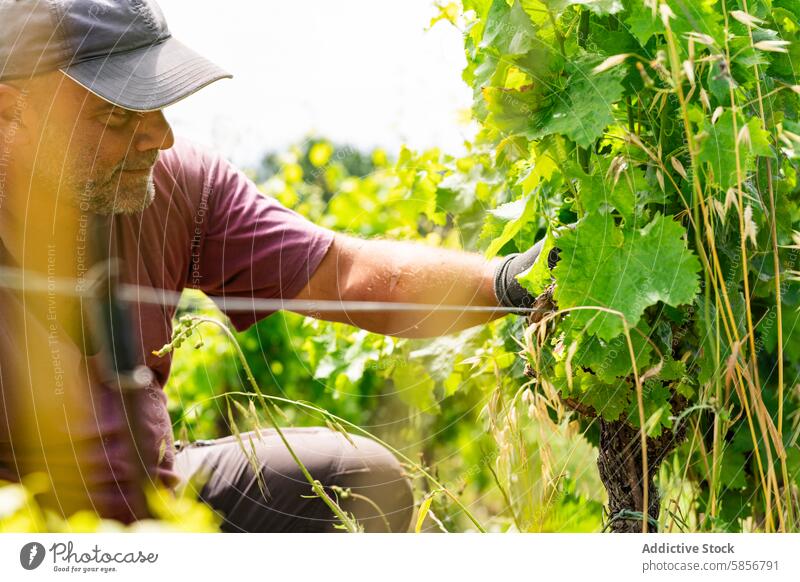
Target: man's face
column 90, row 153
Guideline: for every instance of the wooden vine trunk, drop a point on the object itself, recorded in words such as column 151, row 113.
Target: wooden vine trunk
column 620, row 453
column 620, row 465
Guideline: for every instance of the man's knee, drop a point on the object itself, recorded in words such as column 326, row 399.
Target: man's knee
column 378, row 491
column 373, row 484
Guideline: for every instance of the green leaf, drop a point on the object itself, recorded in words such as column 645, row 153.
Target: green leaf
column 599, row 7
column 790, row 317
column 624, row 270
column 732, row 473
column 542, row 64
column 611, row 360
column 608, row 400
column 415, row 387
column 759, row 139
column 508, row 29
column 612, row 42
column 702, row 16
column 440, row 355
column 672, row 369
column 789, row 5
column 538, row 277
column 597, row 192
column 793, row 463
column 457, row 192
column 657, row 409
column 718, row 148
column 515, row 215
column 642, row 22
column 516, row 111
column 582, row 110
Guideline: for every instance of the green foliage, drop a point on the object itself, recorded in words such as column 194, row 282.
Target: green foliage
column 582, row 109
column 29, row 507
column 623, row 269
column 665, row 134
column 719, row 147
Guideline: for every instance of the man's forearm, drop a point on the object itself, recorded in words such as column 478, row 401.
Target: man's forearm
column 403, row 272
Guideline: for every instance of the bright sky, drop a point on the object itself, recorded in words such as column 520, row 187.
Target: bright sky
column 363, row 72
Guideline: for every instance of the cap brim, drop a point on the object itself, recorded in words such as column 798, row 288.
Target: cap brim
column 147, row 79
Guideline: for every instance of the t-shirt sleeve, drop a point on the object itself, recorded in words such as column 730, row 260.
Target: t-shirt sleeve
column 253, row 246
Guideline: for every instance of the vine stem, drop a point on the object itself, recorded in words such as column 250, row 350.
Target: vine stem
column 639, row 393
column 557, row 32
column 642, row 433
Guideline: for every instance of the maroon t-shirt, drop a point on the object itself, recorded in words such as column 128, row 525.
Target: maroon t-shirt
column 209, row 228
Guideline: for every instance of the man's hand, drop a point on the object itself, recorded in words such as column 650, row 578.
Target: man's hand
column 403, row 272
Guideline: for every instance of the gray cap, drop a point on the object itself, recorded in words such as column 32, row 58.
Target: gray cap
column 120, row 50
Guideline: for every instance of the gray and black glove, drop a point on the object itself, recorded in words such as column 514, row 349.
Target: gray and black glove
column 506, row 287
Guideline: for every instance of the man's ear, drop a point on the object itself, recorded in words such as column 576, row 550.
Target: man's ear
column 15, row 114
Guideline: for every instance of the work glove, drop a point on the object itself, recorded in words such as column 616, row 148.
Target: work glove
column 506, row 287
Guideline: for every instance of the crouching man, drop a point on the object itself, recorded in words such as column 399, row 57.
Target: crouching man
column 90, row 169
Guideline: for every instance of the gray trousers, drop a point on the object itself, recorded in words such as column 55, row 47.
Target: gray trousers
column 225, row 479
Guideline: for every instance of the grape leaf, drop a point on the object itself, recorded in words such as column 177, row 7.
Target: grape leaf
column 608, row 400
column 718, row 148
column 508, row 30
column 537, row 277
column 599, row 7
column 672, row 369
column 759, row 139
column 541, row 64
column 732, row 469
column 642, row 22
column 702, row 16
column 515, row 215
column 793, row 463
column 624, row 270
column 517, row 111
column 790, row 5
column 657, row 409
column 791, row 335
column 582, row 109
column 440, row 355
column 597, row 192
column 611, row 360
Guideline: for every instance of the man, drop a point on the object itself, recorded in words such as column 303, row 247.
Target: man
column 85, row 143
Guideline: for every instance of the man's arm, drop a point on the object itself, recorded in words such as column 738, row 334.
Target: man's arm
column 401, row 272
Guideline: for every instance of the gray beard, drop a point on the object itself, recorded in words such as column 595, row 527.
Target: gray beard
column 113, row 197
column 105, row 193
